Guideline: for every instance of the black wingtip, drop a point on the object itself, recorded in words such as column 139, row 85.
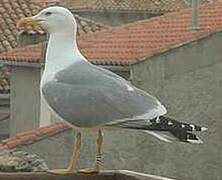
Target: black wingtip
column 193, row 138
column 174, row 124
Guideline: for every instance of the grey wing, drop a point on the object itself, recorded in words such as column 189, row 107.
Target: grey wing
column 113, row 75
column 92, row 98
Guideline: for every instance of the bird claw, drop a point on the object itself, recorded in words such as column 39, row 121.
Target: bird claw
column 62, row 171
column 93, row 170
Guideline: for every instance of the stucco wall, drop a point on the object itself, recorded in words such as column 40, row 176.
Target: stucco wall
column 24, row 99
column 188, row 81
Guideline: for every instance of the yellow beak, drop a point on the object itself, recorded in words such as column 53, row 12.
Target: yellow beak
column 28, row 22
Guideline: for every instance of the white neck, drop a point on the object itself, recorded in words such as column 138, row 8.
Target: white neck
column 62, row 51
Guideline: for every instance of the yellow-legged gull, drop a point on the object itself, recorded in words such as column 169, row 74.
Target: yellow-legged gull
column 88, row 97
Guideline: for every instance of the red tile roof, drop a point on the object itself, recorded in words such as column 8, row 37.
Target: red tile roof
column 87, row 26
column 138, row 41
column 30, row 54
column 12, row 10
column 33, row 136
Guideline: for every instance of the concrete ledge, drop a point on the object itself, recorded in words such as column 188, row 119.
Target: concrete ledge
column 106, row 175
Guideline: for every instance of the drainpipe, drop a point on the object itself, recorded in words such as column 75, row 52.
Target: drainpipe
column 195, row 15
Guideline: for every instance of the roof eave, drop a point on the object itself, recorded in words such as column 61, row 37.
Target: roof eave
column 116, row 68
column 21, row 63
column 79, row 10
column 162, row 51
column 39, row 65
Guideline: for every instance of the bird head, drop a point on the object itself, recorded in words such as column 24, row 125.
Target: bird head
column 51, row 19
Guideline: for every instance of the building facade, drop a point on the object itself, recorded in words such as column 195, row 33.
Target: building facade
column 188, row 81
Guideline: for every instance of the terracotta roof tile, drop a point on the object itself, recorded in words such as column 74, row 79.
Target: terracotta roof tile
column 152, row 6
column 12, row 144
column 137, row 41
column 31, row 53
column 33, row 136
column 86, row 26
column 12, row 10
column 27, row 139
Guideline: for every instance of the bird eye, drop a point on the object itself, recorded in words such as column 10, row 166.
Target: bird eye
column 48, row 13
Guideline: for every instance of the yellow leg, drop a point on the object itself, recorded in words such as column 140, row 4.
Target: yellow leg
column 72, row 167
column 98, row 162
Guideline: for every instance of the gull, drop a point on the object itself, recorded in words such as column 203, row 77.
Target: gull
column 90, row 98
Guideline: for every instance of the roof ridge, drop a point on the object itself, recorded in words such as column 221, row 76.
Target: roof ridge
column 92, row 21
column 32, row 136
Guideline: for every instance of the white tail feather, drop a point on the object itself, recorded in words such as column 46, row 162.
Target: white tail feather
column 169, row 138
column 159, row 136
